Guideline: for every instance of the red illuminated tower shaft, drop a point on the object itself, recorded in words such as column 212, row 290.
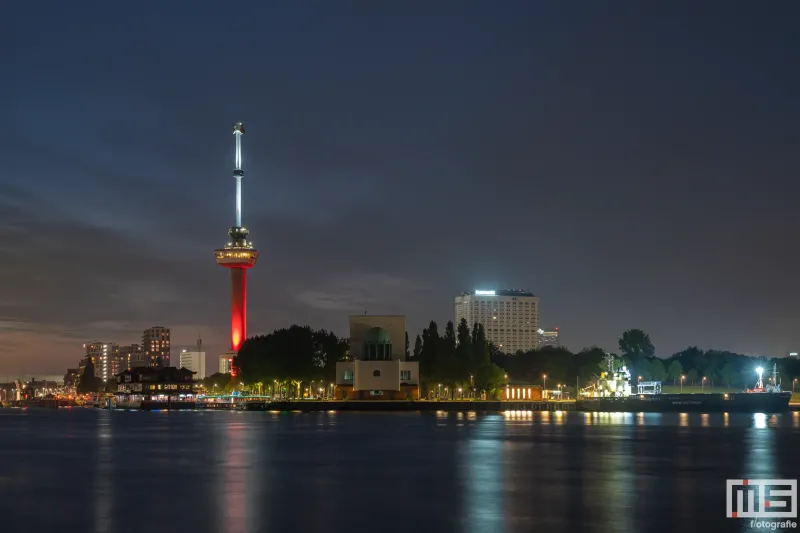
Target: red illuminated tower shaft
column 238, row 307
column 238, row 255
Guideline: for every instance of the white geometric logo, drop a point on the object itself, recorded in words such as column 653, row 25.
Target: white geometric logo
column 761, row 498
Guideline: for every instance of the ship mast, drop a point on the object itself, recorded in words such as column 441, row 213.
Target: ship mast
column 610, row 360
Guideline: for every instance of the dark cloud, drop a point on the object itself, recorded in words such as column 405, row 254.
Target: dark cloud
column 634, row 168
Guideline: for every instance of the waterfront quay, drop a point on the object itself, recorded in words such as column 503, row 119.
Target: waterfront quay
column 420, row 405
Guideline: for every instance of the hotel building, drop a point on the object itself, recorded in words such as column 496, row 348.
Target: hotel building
column 509, row 317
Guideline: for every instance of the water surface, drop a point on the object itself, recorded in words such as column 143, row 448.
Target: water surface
column 89, row 470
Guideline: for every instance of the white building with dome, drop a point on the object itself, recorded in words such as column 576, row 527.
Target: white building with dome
column 378, row 369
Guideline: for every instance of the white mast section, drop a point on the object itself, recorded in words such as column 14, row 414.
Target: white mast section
column 238, row 176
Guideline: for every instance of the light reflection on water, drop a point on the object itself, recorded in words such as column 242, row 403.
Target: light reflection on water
column 103, row 487
column 510, row 472
column 706, row 420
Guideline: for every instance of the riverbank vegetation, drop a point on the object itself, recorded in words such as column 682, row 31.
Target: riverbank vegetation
column 460, row 357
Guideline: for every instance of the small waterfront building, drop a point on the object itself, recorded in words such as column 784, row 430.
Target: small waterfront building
column 521, row 393
column 155, row 384
column 378, row 369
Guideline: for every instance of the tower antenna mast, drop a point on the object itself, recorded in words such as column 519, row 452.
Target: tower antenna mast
column 238, row 256
column 238, row 173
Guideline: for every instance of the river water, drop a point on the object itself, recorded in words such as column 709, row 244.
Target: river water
column 87, row 470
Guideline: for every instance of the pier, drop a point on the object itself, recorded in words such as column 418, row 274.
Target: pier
column 409, row 406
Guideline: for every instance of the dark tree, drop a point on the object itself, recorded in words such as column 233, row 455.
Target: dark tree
column 589, row 362
column 464, row 351
column 431, row 342
column 449, row 339
column 417, row 348
column 489, row 378
column 636, row 348
column 217, row 381
column 728, row 374
column 675, row 370
column 657, row 370
column 89, row 383
column 297, row 354
column 481, row 349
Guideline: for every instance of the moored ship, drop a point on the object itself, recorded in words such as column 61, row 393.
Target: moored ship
column 612, row 392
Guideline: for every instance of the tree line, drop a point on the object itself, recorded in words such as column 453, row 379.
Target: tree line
column 692, row 365
column 294, row 358
column 290, row 359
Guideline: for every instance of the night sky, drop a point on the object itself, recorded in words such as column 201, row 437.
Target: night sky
column 635, row 164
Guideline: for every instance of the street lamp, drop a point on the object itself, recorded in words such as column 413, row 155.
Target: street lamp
column 703, row 384
column 793, row 383
column 460, row 394
column 682, row 378
column 640, row 378
column 544, row 381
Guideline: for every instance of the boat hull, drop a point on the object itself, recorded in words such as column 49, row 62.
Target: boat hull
column 777, row 402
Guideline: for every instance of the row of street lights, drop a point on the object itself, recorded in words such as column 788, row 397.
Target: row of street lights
column 703, row 383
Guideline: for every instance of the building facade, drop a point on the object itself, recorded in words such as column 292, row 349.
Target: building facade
column 548, row 337
column 155, row 384
column 379, row 369
column 155, row 346
column 509, row 317
column 194, row 361
column 71, row 378
column 130, row 354
column 530, row 393
column 105, row 358
column 226, row 362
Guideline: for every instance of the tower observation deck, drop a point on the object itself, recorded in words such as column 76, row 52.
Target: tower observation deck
column 238, row 254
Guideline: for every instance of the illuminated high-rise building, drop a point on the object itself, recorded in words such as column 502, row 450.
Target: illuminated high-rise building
column 129, row 355
column 155, row 346
column 548, row 337
column 509, row 317
column 105, row 358
column 226, row 362
column 194, row 360
column 238, row 255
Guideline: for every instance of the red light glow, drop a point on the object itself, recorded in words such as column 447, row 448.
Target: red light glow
column 238, row 307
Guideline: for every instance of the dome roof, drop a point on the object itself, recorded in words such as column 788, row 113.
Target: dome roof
column 377, row 336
